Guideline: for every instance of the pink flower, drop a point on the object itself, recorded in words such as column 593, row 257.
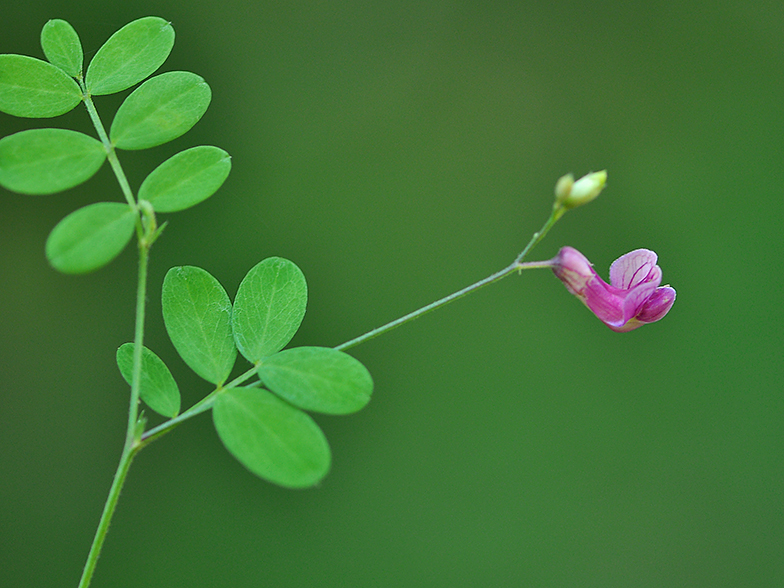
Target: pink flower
column 631, row 299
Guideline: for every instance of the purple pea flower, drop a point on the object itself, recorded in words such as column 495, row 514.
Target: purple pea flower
column 631, row 299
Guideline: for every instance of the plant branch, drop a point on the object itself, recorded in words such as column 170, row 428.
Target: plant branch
column 517, row 264
column 111, row 154
column 201, row 406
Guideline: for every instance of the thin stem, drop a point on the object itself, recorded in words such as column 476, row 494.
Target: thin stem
column 429, row 308
column 111, row 154
column 146, row 230
column 557, row 213
column 138, row 342
column 517, row 264
column 106, row 516
column 132, row 445
column 202, row 406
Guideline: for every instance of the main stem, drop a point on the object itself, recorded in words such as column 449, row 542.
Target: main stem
column 132, row 445
column 146, row 233
column 106, row 516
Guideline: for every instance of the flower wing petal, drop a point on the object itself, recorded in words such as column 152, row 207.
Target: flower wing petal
column 606, row 302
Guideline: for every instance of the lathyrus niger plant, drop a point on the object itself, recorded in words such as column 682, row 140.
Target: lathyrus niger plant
column 260, row 416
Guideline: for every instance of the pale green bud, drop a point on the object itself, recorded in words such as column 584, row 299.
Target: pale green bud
column 563, row 187
column 584, row 190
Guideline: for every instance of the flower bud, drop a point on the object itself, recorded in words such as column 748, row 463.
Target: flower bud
column 563, row 188
column 583, row 190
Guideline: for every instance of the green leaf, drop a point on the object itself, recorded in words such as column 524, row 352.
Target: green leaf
column 157, row 386
column 161, row 109
column 62, row 47
column 44, row 161
column 271, row 438
column 186, row 179
column 269, row 307
column 130, row 55
column 33, row 88
column 90, row 237
column 318, row 378
column 197, row 314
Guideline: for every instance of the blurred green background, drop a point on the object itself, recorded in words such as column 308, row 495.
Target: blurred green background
column 397, row 151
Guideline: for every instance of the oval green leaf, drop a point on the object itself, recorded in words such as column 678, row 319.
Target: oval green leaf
column 130, row 55
column 62, row 47
column 160, row 110
column 90, row 237
column 320, row 379
column 44, row 161
column 197, row 315
column 186, row 179
column 271, row 438
column 33, row 88
column 269, row 307
column 157, row 386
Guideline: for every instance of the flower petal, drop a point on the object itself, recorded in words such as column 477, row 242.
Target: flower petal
column 657, row 305
column 605, row 302
column 628, row 326
column 634, row 268
column 636, row 298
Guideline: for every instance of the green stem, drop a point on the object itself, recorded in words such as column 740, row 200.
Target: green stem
column 201, row 406
column 106, row 517
column 207, row 402
column 132, row 443
column 147, row 233
column 557, row 213
column 111, row 154
column 138, row 342
column 516, row 265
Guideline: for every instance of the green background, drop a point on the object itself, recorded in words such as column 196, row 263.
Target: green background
column 397, row 151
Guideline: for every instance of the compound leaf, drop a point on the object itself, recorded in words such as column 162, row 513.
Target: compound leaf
column 318, row 378
column 187, row 178
column 197, row 315
column 90, row 237
column 62, row 47
column 160, row 110
column 44, row 161
column 271, row 438
column 33, row 88
column 269, row 307
column 157, row 386
column 130, row 55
